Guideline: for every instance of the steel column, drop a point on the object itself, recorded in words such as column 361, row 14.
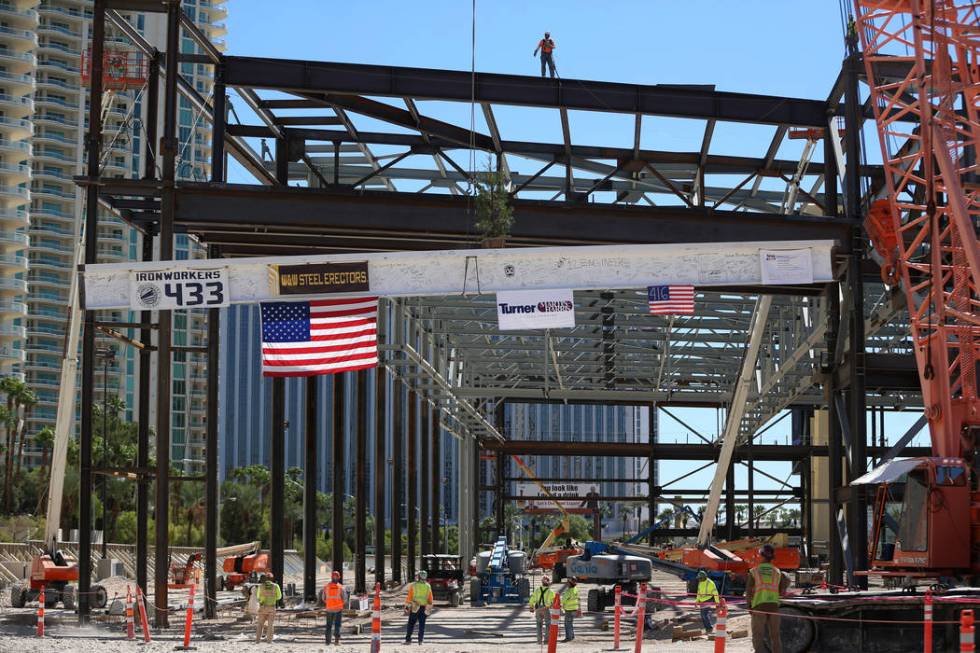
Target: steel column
column 143, row 434
column 425, row 491
column 397, row 478
column 730, row 524
column 211, row 463
column 477, row 493
column 413, row 478
column 857, row 527
column 436, row 475
column 88, row 334
column 339, row 467
column 278, row 477
column 652, row 480
column 499, row 485
column 168, row 207
column 380, row 472
column 834, row 437
column 750, row 532
column 360, row 487
column 310, row 474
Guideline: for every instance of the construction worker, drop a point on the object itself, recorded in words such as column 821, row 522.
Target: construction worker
column 541, row 600
column 269, row 595
column 570, row 606
column 592, row 503
column 765, row 585
column 707, row 593
column 418, row 605
column 546, row 46
column 335, row 598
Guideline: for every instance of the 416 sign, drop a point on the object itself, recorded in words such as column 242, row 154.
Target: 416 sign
column 175, row 289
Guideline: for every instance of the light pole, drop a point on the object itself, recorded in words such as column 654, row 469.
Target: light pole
column 108, row 356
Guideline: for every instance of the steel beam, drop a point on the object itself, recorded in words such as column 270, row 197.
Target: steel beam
column 520, row 90
column 435, row 472
column 425, row 485
column 397, row 477
column 143, row 435
column 211, row 464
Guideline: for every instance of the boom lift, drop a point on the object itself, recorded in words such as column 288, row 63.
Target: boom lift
column 921, row 60
column 541, row 555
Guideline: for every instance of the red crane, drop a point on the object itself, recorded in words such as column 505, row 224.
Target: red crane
column 921, row 58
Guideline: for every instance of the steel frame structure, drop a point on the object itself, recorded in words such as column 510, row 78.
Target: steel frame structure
column 451, row 369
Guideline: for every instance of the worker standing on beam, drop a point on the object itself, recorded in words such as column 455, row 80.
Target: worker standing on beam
column 707, row 593
column 541, row 600
column 763, row 589
column 335, row 598
column 570, row 606
column 418, row 604
column 546, row 46
column 269, row 594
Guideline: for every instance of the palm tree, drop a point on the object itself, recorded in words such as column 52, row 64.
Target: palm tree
column 740, row 512
column 192, row 502
column 12, row 387
column 27, row 401
column 44, row 439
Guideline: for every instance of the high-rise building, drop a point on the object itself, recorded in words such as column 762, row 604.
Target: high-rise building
column 44, row 102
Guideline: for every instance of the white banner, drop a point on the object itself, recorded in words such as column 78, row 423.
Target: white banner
column 786, row 266
column 538, row 499
column 176, row 289
column 535, row 309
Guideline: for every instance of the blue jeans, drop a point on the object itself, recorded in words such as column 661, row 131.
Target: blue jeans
column 546, row 57
column 707, row 618
column 333, row 619
column 569, row 625
column 412, row 618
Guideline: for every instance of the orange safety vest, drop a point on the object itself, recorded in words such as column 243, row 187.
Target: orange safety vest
column 546, row 45
column 334, row 597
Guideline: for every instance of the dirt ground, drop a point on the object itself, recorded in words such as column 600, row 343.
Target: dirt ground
column 464, row 629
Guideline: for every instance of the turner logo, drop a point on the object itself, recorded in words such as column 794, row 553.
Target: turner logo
column 540, row 307
column 535, row 309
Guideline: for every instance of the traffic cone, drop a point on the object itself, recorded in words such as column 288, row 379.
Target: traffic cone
column 966, row 632
column 144, row 623
column 376, row 621
column 555, row 611
column 130, row 626
column 618, row 612
column 188, row 622
column 641, row 612
column 720, row 627
column 40, row 613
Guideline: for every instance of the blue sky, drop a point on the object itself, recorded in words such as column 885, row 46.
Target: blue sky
column 792, row 48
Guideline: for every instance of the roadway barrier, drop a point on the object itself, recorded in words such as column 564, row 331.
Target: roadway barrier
column 966, row 632
column 188, row 622
column 641, row 613
column 130, row 626
column 40, row 613
column 721, row 627
column 555, row 612
column 618, row 613
column 927, row 622
column 376, row 621
column 144, row 623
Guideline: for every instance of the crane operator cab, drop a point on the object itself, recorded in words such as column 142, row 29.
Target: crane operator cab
column 918, row 529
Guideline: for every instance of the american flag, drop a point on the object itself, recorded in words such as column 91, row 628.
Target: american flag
column 322, row 336
column 671, row 300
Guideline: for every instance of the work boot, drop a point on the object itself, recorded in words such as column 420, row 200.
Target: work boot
column 408, row 640
column 336, row 639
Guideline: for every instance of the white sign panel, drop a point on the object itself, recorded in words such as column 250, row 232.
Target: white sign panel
column 535, row 309
column 786, row 266
column 176, row 289
column 558, row 490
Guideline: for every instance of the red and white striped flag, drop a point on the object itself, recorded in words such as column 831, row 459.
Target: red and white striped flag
column 671, row 300
column 321, row 336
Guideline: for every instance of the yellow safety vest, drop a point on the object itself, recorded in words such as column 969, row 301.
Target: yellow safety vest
column 542, row 597
column 766, row 578
column 269, row 594
column 569, row 599
column 419, row 593
column 707, row 591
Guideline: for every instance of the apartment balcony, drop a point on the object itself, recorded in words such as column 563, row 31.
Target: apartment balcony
column 11, row 354
column 45, row 45
column 58, row 122
column 13, row 262
column 12, row 332
column 58, row 66
column 48, row 28
column 51, row 174
column 66, row 12
column 13, row 105
column 14, row 218
column 22, row 18
column 48, row 263
column 9, row 308
column 16, row 83
column 18, row 62
column 52, row 193
column 13, row 240
column 16, row 128
column 54, row 155
column 57, row 85
column 16, row 148
column 11, row 285
column 15, row 194
column 18, row 37
column 15, row 172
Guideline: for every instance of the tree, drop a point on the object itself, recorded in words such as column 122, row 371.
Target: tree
column 740, row 510
column 12, row 387
column 44, row 439
column 27, row 400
